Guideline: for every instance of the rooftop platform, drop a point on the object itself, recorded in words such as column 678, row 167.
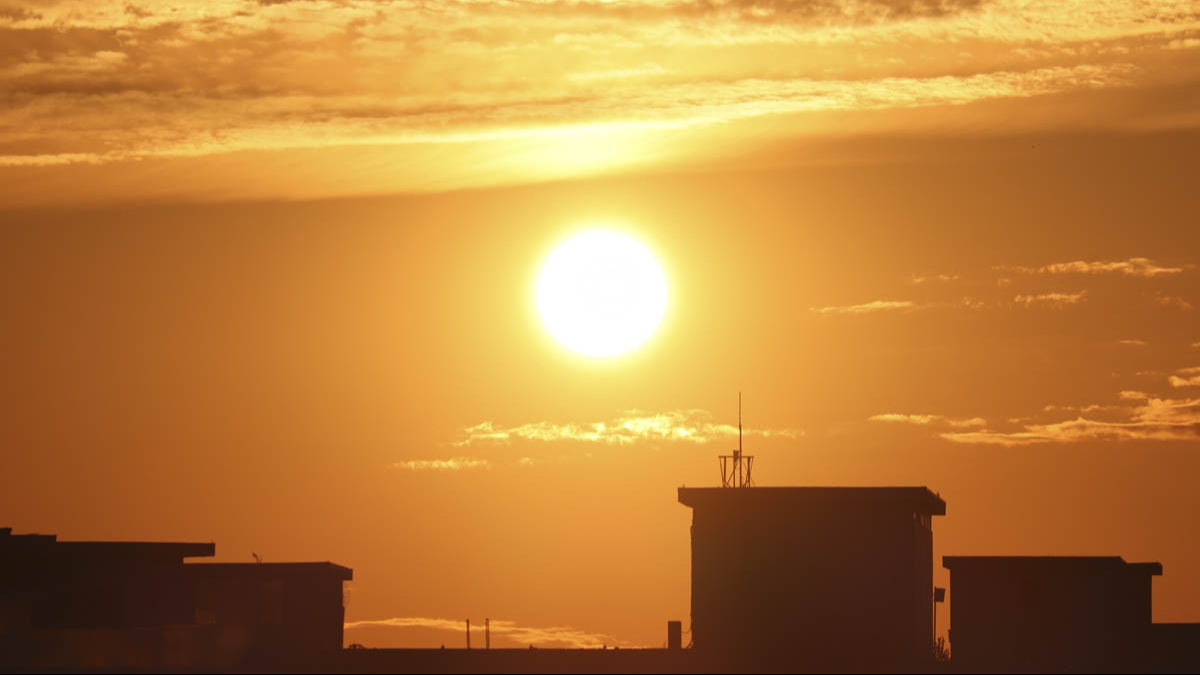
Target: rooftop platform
column 1081, row 564
column 920, row 499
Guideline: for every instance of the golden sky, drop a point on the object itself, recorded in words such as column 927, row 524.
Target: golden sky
column 229, row 98
column 267, row 270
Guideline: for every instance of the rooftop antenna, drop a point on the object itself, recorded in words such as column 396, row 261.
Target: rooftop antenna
column 737, row 469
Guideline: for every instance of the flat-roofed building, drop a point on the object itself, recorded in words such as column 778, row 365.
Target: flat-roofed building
column 1050, row 613
column 831, row 577
column 137, row 605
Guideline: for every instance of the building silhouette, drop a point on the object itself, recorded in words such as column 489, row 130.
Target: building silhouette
column 823, row 577
column 784, row 579
column 137, row 605
column 1062, row 614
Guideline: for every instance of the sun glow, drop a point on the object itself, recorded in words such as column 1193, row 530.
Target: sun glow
column 601, row 293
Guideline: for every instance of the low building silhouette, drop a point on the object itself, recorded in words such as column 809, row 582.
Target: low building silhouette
column 1173, row 648
column 1050, row 614
column 138, row 605
column 830, row 577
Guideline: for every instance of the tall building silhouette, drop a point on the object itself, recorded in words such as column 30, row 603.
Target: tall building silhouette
column 832, row 577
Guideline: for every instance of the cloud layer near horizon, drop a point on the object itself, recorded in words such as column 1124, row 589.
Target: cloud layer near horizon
column 555, row 636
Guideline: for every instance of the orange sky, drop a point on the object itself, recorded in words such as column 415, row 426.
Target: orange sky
column 266, row 273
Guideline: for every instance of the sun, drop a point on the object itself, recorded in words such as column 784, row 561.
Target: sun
column 601, row 293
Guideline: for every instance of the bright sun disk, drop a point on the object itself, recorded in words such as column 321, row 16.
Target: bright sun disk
column 601, row 293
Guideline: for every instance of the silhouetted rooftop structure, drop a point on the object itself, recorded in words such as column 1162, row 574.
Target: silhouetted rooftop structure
column 47, row 547
column 1056, row 613
column 122, row 605
column 829, row 577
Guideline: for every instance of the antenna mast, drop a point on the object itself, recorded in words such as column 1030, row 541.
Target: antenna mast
column 737, row 469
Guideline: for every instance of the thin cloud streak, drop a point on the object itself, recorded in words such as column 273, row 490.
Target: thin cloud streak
column 868, row 308
column 1186, row 377
column 452, row 464
column 924, row 420
column 918, row 279
column 1157, row 419
column 1055, row 300
column 1175, row 302
column 1134, row 267
column 681, row 426
column 555, row 636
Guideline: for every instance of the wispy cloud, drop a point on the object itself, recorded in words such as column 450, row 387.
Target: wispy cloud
column 1134, row 267
column 451, row 464
column 682, row 426
column 1174, row 302
column 1044, row 300
column 555, row 636
column 923, row 420
column 1051, row 299
column 1157, row 419
column 1139, row 416
column 995, row 438
column 1132, row 343
column 113, row 82
column 1093, row 407
column 868, row 308
column 1186, row 377
column 918, row 279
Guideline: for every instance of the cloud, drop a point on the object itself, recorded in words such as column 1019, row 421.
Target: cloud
column 1134, row 267
column 956, row 422
column 1175, row 302
column 187, row 123
column 1156, row 419
column 556, row 636
column 918, row 279
column 867, row 308
column 1047, row 300
column 682, row 426
column 1057, row 300
column 1186, row 377
column 1183, row 43
column 87, row 82
column 452, row 464
column 1132, row 343
column 1094, row 407
column 994, row 438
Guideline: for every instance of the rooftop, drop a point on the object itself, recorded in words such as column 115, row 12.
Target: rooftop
column 48, row 544
column 919, row 498
column 273, row 570
column 1068, row 563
